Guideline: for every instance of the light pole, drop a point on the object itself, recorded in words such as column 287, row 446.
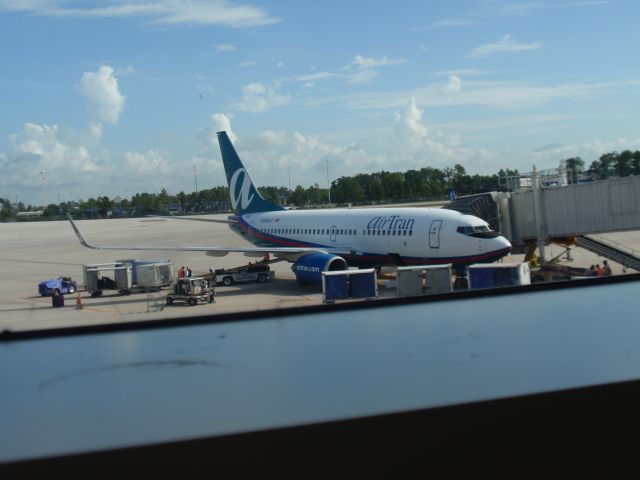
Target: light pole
column 328, row 183
column 195, row 177
column 44, row 196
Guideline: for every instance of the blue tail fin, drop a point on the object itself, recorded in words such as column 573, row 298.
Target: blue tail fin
column 244, row 195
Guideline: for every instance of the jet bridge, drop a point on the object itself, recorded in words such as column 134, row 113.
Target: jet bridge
column 584, row 208
column 541, row 211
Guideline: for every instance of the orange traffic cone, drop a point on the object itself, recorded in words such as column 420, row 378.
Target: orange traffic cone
column 79, row 302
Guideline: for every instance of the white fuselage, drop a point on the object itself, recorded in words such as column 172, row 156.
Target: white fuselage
column 378, row 236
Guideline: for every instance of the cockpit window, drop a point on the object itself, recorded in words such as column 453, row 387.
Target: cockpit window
column 465, row 230
column 481, row 231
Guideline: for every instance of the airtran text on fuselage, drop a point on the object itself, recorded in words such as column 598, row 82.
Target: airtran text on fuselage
column 392, row 222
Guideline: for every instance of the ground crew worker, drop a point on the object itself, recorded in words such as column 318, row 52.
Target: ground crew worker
column 181, row 273
column 607, row 269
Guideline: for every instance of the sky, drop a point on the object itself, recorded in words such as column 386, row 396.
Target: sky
column 117, row 97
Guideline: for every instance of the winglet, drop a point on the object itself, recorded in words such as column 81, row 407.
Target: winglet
column 78, row 234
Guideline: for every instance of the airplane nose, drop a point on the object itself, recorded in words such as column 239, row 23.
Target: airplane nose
column 502, row 243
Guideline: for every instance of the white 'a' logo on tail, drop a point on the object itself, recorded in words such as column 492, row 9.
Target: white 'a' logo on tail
column 243, row 195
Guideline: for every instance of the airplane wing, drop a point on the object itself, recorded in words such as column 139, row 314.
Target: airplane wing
column 289, row 253
column 193, row 219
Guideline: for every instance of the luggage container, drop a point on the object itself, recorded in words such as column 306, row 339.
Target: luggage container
column 107, row 276
column 499, row 275
column 424, row 280
column 152, row 274
column 344, row 284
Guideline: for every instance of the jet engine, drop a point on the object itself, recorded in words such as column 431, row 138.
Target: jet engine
column 308, row 269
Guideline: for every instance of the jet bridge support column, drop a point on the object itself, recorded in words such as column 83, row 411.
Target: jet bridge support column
column 538, row 213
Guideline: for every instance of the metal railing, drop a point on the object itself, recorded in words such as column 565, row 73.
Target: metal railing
column 615, row 245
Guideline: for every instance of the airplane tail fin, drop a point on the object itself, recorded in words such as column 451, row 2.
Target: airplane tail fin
column 245, row 197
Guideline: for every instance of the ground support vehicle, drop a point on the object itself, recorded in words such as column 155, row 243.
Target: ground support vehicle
column 553, row 272
column 191, row 290
column 258, row 272
column 63, row 285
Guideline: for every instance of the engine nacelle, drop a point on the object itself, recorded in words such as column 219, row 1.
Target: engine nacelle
column 308, row 269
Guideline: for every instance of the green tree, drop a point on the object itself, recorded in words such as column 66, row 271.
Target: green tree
column 635, row 162
column 6, row 212
column 623, row 163
column 574, row 167
column 299, row 196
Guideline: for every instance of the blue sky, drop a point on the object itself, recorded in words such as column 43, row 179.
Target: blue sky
column 121, row 96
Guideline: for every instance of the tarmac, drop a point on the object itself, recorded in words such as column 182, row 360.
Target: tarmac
column 34, row 251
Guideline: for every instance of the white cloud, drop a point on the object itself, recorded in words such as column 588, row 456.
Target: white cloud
column 95, row 130
column 512, row 9
column 313, row 77
column 485, row 93
column 41, row 157
column 418, row 147
column 505, row 44
column 444, row 23
column 371, row 62
column 363, row 69
column 208, row 138
column 549, row 156
column 125, row 72
column 453, row 85
column 362, row 77
column 101, row 89
column 222, row 122
column 225, row 48
column 258, row 98
column 408, row 124
column 271, row 154
column 152, row 163
column 265, row 140
column 470, row 72
column 193, row 12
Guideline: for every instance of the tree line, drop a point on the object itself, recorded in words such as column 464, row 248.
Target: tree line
column 364, row 188
column 609, row 165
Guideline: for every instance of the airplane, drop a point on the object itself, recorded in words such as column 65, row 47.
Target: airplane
column 316, row 241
